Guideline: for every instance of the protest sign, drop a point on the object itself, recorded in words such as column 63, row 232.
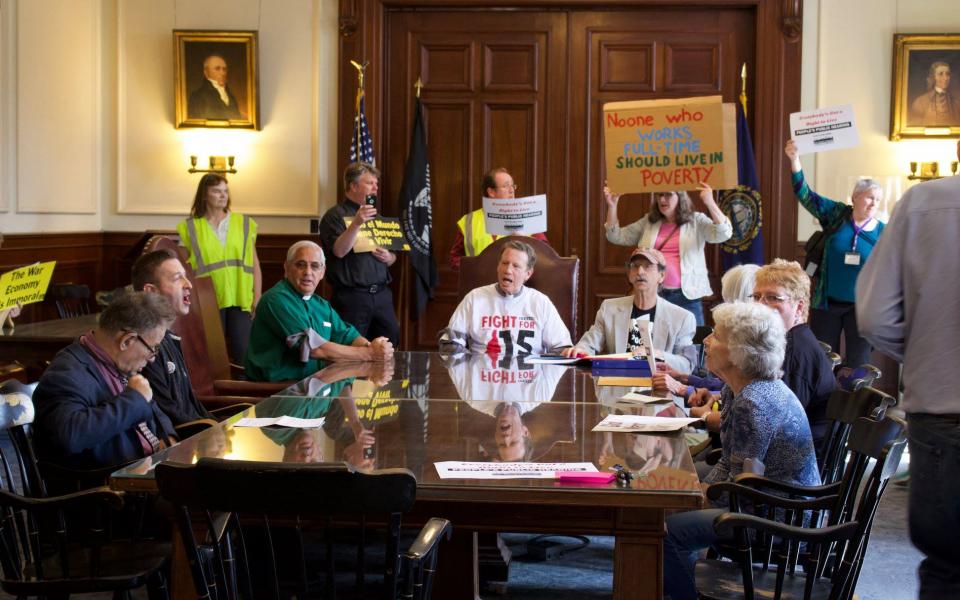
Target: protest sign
column 25, row 285
column 503, row 216
column 830, row 128
column 384, row 232
column 669, row 145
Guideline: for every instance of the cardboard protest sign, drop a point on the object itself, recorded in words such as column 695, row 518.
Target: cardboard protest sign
column 384, row 232
column 503, row 216
column 830, row 128
column 25, row 285
column 669, row 145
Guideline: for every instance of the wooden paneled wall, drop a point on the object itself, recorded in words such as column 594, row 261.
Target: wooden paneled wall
column 521, row 84
column 102, row 260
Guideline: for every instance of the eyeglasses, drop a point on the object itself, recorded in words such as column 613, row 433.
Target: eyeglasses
column 509, row 186
column 153, row 350
column 772, row 299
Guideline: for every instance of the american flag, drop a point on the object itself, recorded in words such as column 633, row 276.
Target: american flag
column 361, row 146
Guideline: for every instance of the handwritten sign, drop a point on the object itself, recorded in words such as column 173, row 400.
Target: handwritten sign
column 25, row 285
column 831, row 128
column 669, row 145
column 503, row 216
column 383, row 232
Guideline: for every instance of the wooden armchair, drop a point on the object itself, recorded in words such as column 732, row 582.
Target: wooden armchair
column 554, row 275
column 263, row 549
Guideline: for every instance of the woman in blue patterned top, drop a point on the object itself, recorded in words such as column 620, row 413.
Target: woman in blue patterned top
column 762, row 423
column 851, row 233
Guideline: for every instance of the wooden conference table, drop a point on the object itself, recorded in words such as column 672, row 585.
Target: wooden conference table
column 427, row 408
column 36, row 343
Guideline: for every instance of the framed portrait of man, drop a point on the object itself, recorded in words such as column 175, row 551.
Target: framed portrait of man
column 216, row 79
column 926, row 86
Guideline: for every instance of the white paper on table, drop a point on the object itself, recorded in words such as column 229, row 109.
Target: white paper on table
column 641, row 424
column 637, row 398
column 284, row 421
column 504, row 216
column 829, row 128
column 455, row 469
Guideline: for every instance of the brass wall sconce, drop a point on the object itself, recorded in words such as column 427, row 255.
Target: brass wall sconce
column 929, row 170
column 218, row 164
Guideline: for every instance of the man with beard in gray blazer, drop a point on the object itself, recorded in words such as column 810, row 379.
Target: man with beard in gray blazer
column 672, row 327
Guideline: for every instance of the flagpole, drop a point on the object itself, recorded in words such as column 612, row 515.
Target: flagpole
column 361, row 69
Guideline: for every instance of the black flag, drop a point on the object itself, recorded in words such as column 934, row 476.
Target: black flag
column 417, row 217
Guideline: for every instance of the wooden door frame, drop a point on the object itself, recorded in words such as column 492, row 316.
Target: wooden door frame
column 776, row 73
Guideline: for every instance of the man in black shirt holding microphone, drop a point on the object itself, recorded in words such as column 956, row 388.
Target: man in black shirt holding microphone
column 360, row 280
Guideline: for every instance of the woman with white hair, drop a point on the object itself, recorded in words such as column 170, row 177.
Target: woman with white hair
column 762, row 423
column 850, row 235
column 736, row 286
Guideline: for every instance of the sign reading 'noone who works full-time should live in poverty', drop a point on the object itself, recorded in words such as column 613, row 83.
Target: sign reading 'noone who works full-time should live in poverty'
column 667, row 145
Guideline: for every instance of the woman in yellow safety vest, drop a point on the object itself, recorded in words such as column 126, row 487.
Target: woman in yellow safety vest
column 222, row 246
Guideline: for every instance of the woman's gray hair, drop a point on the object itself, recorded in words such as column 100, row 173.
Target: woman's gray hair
column 865, row 185
column 737, row 283
column 292, row 251
column 755, row 338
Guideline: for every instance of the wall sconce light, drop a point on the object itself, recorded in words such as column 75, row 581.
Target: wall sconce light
column 218, row 164
column 929, row 170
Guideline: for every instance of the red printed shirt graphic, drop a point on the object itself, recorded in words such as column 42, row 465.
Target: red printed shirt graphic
column 527, row 323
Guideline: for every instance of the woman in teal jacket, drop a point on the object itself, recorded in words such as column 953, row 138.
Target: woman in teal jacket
column 850, row 234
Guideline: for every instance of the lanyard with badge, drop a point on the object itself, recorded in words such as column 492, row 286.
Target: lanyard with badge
column 852, row 258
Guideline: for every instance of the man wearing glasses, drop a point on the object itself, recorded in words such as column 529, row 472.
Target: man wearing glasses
column 94, row 409
column 472, row 237
column 296, row 332
column 672, row 327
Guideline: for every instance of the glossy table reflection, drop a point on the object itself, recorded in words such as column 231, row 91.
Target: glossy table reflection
column 425, row 409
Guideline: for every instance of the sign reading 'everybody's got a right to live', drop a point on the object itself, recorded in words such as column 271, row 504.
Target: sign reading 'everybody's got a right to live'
column 669, row 145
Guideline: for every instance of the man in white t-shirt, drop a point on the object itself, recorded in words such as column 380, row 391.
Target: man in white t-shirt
column 507, row 317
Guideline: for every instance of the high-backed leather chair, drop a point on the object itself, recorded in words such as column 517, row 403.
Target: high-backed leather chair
column 202, row 340
column 554, row 275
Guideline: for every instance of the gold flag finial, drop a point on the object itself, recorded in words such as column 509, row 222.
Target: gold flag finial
column 360, row 70
column 418, row 86
column 743, row 88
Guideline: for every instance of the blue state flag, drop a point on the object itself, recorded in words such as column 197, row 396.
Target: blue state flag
column 742, row 205
column 361, row 146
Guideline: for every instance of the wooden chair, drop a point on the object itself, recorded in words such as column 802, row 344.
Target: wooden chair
column 276, row 503
column 843, row 409
column 38, row 556
column 71, row 299
column 832, row 554
column 202, row 340
column 554, row 275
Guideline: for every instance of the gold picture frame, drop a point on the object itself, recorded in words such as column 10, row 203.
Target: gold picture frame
column 216, row 79
column 922, row 63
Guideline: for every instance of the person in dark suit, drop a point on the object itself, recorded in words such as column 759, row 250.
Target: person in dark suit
column 213, row 99
column 93, row 407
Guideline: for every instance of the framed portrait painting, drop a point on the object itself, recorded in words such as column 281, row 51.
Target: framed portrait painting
column 216, row 79
column 926, row 86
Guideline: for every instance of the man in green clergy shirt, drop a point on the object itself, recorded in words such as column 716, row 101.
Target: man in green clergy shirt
column 295, row 331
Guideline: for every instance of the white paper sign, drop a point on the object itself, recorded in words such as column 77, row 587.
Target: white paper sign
column 527, row 215
column 283, row 421
column 454, row 469
column 641, row 424
column 830, row 128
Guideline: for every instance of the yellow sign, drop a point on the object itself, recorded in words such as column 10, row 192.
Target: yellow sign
column 670, row 145
column 25, row 285
column 384, row 232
